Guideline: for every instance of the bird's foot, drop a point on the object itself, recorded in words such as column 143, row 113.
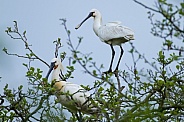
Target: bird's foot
column 116, row 72
column 107, row 72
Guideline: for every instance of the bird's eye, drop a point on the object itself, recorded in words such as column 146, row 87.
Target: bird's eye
column 54, row 63
column 93, row 14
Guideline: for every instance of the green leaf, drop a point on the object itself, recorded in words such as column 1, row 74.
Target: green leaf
column 5, row 50
column 24, row 64
column 31, row 54
column 74, row 61
column 160, row 53
column 59, row 39
column 132, row 50
column 94, row 73
column 62, row 55
column 68, row 31
column 182, row 5
column 100, row 89
column 44, row 79
column 90, row 58
column 162, row 1
column 181, row 12
column 39, row 76
column 24, row 32
column 160, row 82
column 32, row 69
column 20, row 87
column 177, row 67
column 9, row 29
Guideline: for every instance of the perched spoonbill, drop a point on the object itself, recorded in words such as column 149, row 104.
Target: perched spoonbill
column 111, row 33
column 70, row 95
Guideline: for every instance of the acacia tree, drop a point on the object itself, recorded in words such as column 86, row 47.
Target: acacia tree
column 158, row 98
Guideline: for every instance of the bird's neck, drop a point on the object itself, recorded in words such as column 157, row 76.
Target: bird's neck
column 59, row 85
column 97, row 23
column 55, row 74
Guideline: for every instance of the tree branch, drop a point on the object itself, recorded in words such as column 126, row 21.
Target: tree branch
column 24, row 39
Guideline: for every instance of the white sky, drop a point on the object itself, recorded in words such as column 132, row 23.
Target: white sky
column 41, row 21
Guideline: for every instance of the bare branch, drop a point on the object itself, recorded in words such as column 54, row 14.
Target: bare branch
column 146, row 6
column 24, row 39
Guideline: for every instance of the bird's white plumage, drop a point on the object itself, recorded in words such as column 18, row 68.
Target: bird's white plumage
column 70, row 95
column 115, row 34
column 112, row 32
column 114, row 23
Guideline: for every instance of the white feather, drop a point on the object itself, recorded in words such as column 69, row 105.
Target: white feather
column 70, row 95
column 112, row 32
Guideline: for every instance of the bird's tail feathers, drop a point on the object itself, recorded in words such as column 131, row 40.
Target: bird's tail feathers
column 129, row 37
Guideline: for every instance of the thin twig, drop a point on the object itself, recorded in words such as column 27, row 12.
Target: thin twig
column 24, row 39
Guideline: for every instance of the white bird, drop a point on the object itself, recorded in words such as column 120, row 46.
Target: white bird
column 70, row 95
column 111, row 33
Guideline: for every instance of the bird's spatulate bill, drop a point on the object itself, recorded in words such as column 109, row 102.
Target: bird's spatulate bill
column 112, row 33
column 90, row 14
column 78, row 26
column 50, row 69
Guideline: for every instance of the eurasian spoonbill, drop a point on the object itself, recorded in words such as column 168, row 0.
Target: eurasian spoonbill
column 70, row 95
column 111, row 33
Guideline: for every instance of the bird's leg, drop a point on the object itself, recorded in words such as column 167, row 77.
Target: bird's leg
column 121, row 54
column 77, row 116
column 62, row 76
column 113, row 53
column 80, row 117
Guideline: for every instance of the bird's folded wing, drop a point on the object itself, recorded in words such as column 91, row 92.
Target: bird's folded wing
column 114, row 23
column 112, row 31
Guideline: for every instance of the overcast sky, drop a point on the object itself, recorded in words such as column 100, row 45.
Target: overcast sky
column 41, row 21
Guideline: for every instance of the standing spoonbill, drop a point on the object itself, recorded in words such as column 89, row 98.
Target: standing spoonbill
column 70, row 95
column 111, row 33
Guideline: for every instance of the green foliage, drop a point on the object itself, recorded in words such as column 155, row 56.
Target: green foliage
column 36, row 74
column 153, row 93
column 70, row 70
